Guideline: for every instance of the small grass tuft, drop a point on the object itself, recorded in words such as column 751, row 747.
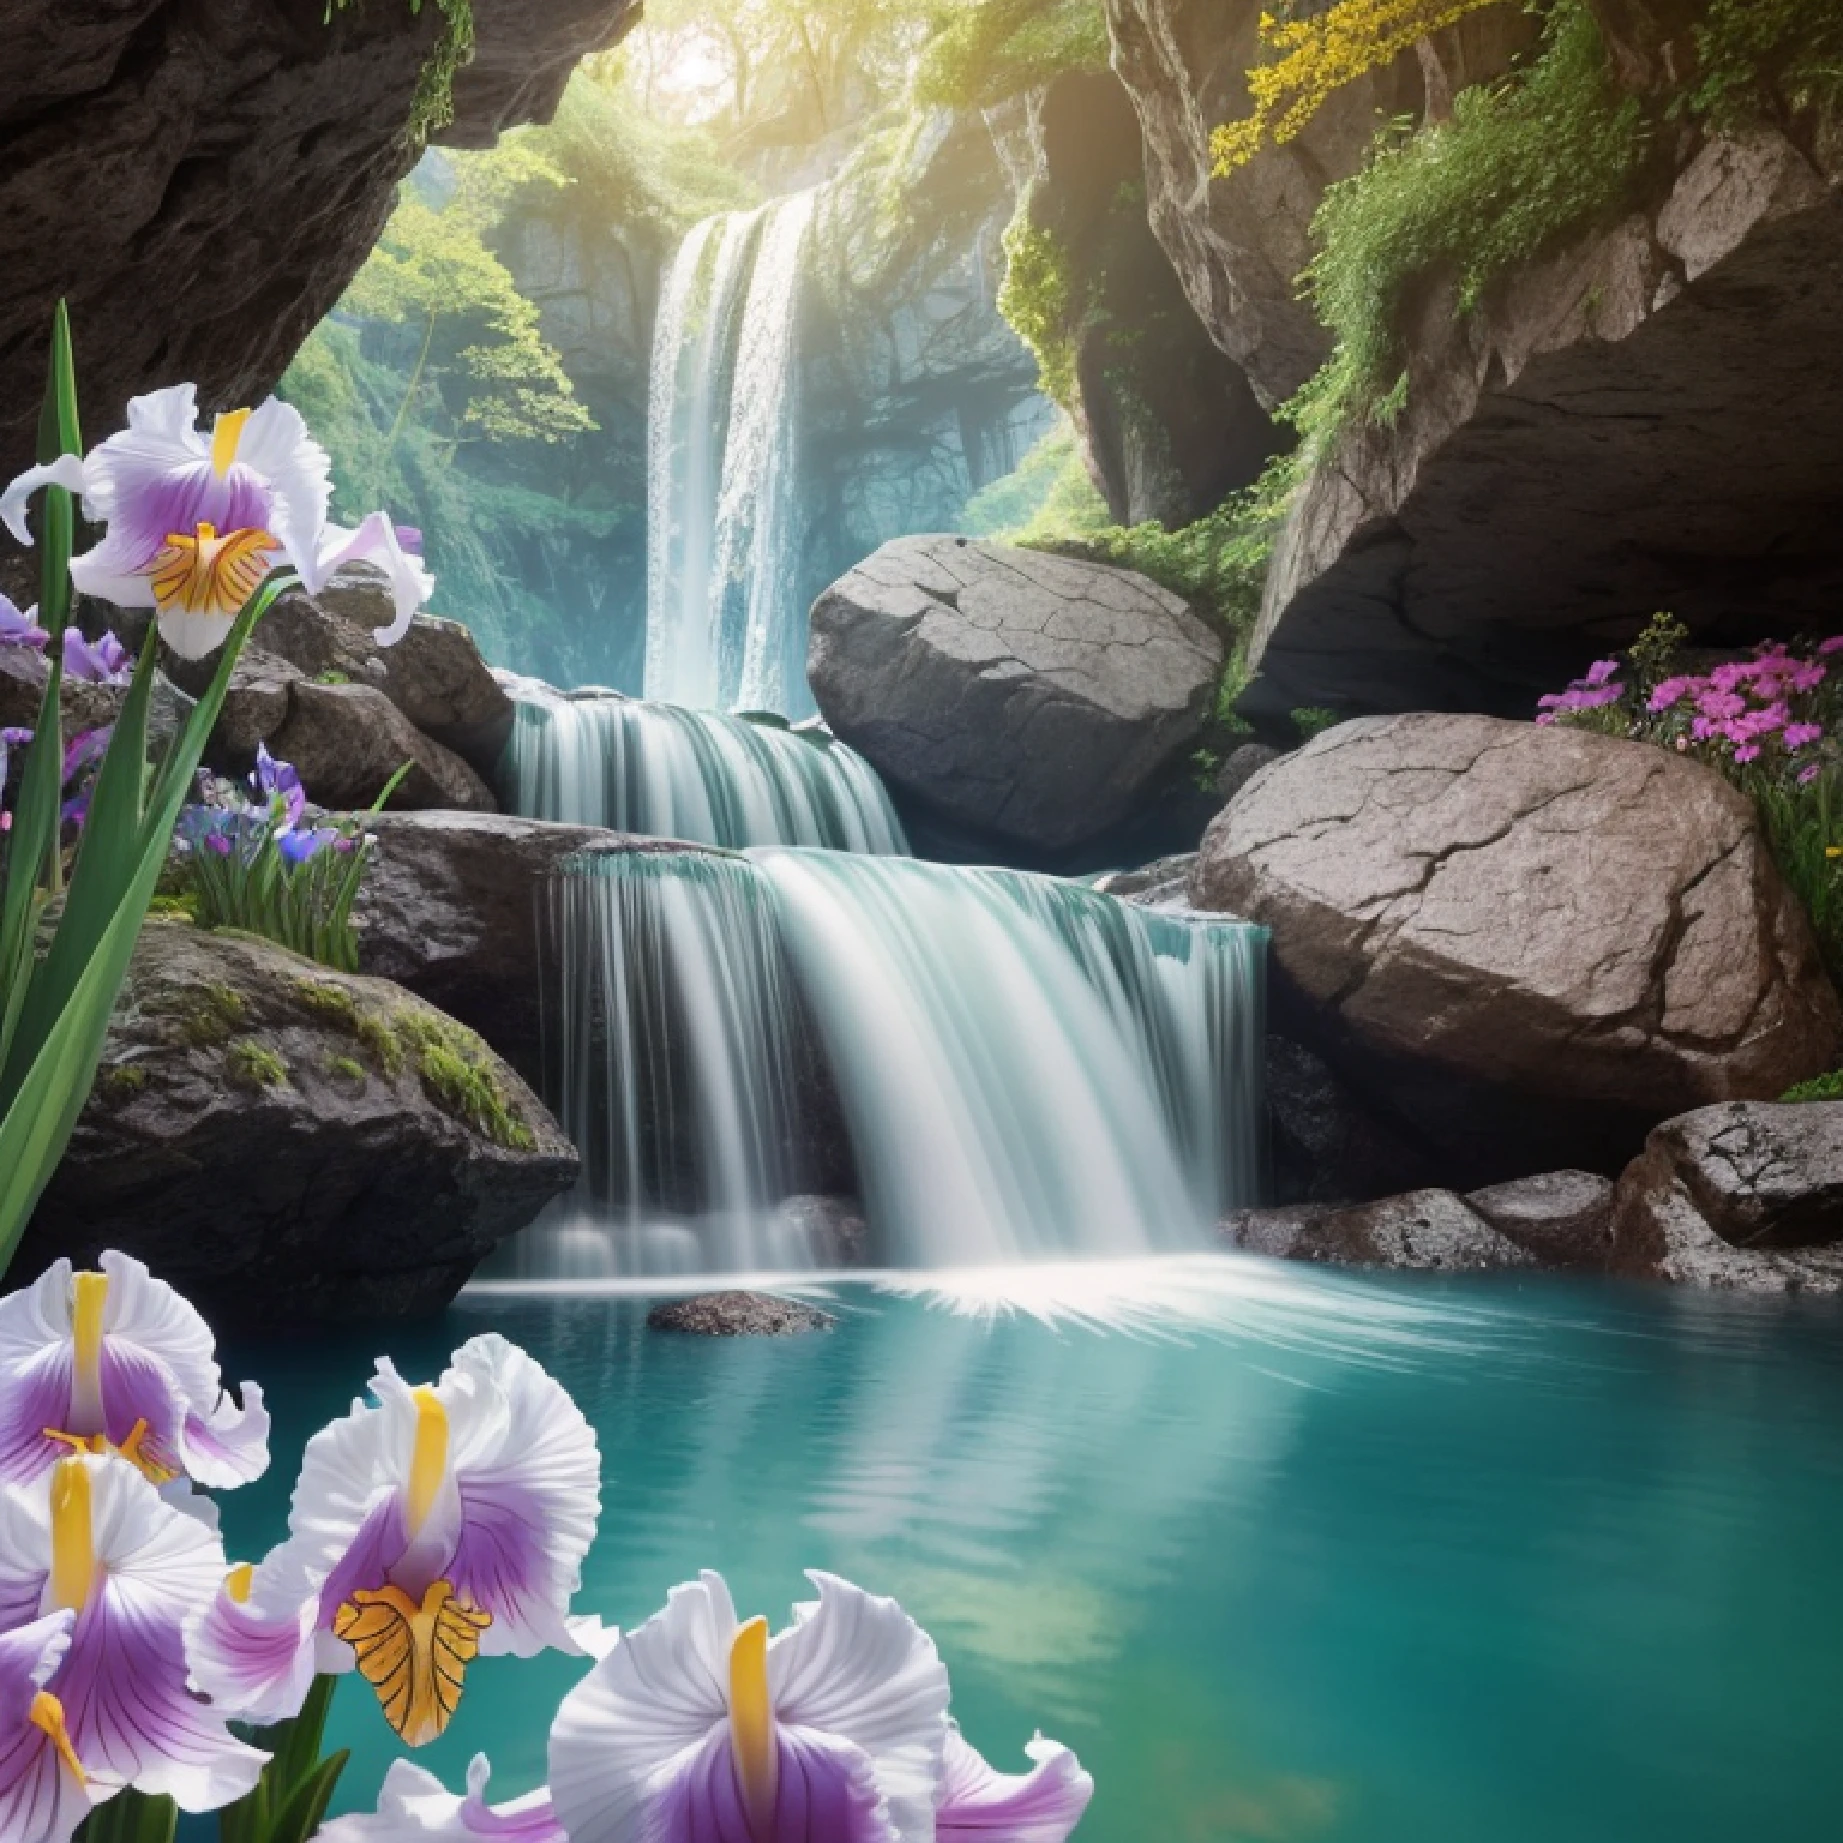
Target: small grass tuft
column 252, row 1064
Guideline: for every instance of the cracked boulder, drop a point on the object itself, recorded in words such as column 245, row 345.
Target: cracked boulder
column 1527, row 945
column 1745, row 1197
column 290, row 1145
column 1033, row 701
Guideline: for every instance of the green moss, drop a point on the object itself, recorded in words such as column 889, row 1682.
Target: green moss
column 1819, row 1088
column 461, row 1075
column 346, row 1068
column 182, row 906
column 209, row 1015
column 1753, row 55
column 1523, row 166
column 336, row 1006
column 252, row 1064
column 121, row 1081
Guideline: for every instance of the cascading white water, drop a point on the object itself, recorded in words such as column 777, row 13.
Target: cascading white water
column 667, row 772
column 726, row 625
column 1025, row 1069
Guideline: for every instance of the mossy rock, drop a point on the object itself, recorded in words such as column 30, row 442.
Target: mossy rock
column 288, row 1144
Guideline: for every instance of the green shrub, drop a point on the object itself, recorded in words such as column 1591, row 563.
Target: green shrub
column 1818, row 1088
column 1753, row 53
column 988, row 53
column 1038, row 300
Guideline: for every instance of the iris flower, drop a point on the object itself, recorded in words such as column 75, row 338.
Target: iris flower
column 279, row 783
column 697, row 1726
column 20, row 628
column 94, row 1542
column 103, row 662
column 195, row 521
column 116, row 1359
column 415, row 1807
column 449, row 1521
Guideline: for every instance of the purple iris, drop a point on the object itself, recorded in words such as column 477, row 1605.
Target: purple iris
column 106, row 662
column 275, row 780
column 17, row 628
column 409, row 540
column 298, row 847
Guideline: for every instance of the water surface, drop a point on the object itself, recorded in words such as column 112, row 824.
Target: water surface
column 1327, row 1559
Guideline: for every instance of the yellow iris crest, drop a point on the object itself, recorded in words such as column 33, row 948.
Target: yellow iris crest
column 47, row 1715
column 204, row 573
column 752, row 1721
column 73, row 1537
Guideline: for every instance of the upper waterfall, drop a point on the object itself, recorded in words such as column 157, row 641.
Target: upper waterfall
column 725, row 626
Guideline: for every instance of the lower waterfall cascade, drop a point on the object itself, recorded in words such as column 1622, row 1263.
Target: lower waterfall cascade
column 662, row 771
column 1019, row 1068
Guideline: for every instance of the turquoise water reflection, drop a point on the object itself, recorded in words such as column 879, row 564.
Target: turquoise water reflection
column 1373, row 1562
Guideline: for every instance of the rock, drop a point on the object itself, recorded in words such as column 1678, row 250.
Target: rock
column 1241, row 766
column 1652, row 418
column 449, row 909
column 1167, row 422
column 348, row 740
column 434, row 674
column 1762, row 1175
column 289, row 1145
column 1164, row 883
column 1564, row 1218
column 1428, row 1230
column 1531, row 945
column 1744, row 1197
column 1038, row 700
column 1328, row 1144
column 255, row 707
column 231, row 167
column 834, row 1229
column 81, row 705
column 739, row 1315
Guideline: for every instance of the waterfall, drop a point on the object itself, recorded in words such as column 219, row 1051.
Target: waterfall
column 726, row 623
column 1024, row 1068
column 667, row 772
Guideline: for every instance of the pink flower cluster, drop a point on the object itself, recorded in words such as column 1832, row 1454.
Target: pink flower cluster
column 1743, row 706
column 1594, row 692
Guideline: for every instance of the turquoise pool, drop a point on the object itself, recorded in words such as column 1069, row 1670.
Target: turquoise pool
column 1321, row 1560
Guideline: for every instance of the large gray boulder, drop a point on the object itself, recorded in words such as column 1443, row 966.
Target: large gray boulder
column 1531, row 944
column 287, row 1144
column 1745, row 1197
column 1032, row 699
column 348, row 740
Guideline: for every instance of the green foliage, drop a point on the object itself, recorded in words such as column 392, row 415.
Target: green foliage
column 987, row 53
column 1046, row 499
column 1818, row 1088
column 1523, row 165
column 1752, row 54
column 297, row 1785
column 432, row 106
column 55, row 1008
column 1038, row 299
column 131, row 1817
column 1804, row 829
column 1313, row 720
column 253, row 1064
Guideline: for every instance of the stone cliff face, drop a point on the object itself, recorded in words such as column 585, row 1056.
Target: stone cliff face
column 1651, row 418
column 201, row 178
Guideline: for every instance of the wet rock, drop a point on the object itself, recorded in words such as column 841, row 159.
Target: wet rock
column 1530, row 945
column 1035, row 699
column 1241, row 766
column 231, row 167
column 288, row 1145
column 1164, row 883
column 1328, row 1144
column 348, row 740
column 739, row 1315
column 834, row 1229
column 449, row 909
column 1564, row 1218
column 1746, row 1196
column 1429, row 1230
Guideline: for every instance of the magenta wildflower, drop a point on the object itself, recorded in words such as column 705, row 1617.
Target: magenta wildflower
column 1809, row 774
column 1802, row 735
column 1833, row 645
column 1747, row 751
column 1671, row 692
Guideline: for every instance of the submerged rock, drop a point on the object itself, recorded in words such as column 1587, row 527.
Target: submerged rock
column 1036, row 700
column 289, row 1145
column 737, row 1314
column 1747, row 1196
column 1530, row 945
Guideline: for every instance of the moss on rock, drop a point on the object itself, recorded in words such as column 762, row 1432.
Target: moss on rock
column 460, row 1074
column 253, row 1064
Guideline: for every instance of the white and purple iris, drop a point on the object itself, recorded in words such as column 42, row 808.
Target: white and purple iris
column 698, row 1728
column 19, row 627
column 115, row 1360
column 99, row 1574
column 195, row 521
column 447, row 1522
